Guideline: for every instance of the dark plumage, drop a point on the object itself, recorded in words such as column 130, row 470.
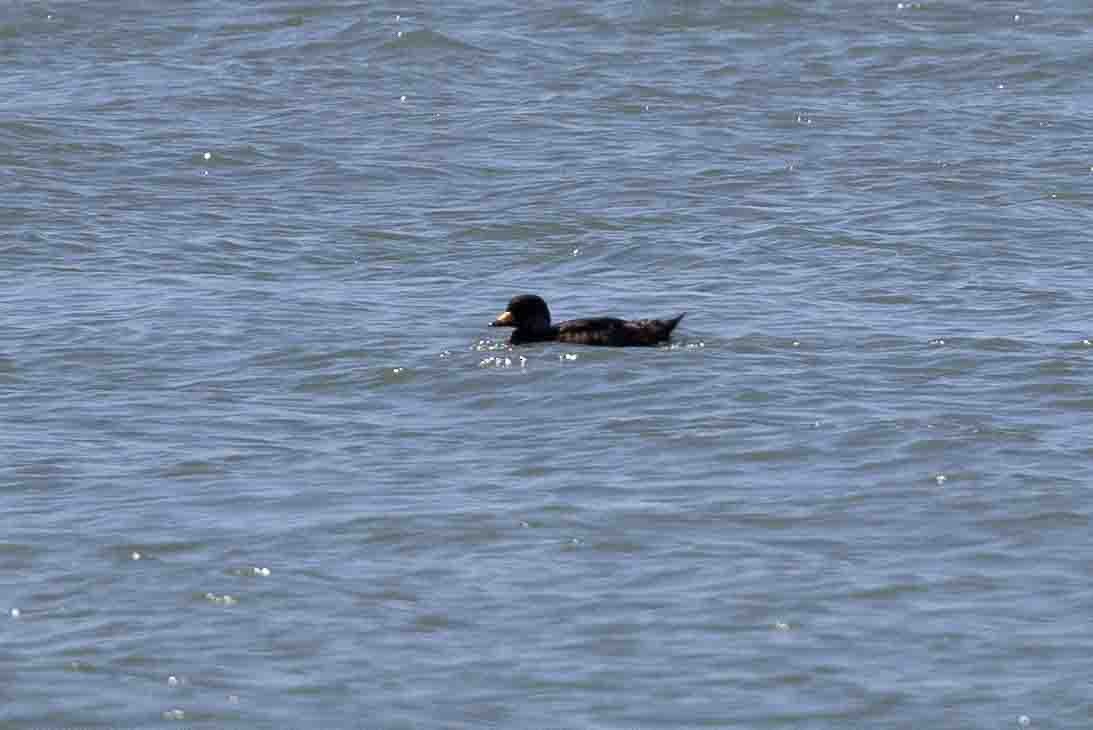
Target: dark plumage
column 531, row 318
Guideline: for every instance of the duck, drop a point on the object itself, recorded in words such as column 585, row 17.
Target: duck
column 530, row 317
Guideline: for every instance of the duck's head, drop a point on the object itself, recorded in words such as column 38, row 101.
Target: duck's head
column 525, row 312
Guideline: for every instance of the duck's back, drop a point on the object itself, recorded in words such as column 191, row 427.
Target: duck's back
column 614, row 332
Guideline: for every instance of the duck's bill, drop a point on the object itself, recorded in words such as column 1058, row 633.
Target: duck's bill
column 505, row 320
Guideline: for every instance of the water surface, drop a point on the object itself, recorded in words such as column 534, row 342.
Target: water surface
column 262, row 464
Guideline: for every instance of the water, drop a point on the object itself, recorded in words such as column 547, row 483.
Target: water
column 262, row 464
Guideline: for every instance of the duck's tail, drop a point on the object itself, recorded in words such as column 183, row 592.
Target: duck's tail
column 670, row 324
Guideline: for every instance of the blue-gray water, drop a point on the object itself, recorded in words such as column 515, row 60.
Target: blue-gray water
column 262, row 464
